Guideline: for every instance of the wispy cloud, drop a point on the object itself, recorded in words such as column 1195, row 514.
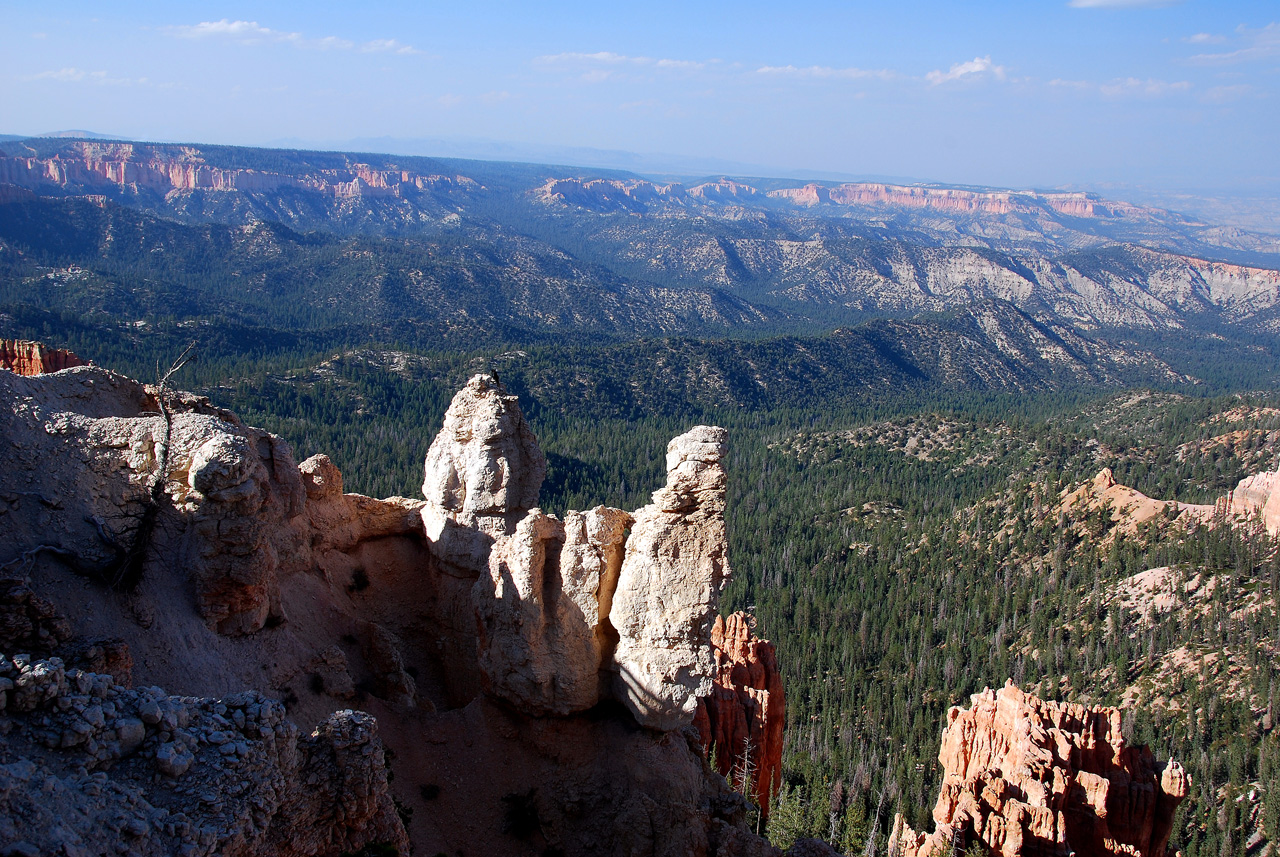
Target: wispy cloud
column 826, row 72
column 388, row 46
column 974, row 68
column 1125, row 87
column 1122, row 4
column 1205, row 39
column 253, row 33
column 452, row 99
column 1226, row 94
column 609, row 58
column 248, row 32
column 1256, row 44
column 1136, row 86
column 71, row 74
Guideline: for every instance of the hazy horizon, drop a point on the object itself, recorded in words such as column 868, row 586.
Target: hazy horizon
column 1153, row 96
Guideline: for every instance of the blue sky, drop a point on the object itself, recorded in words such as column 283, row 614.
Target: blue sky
column 1175, row 95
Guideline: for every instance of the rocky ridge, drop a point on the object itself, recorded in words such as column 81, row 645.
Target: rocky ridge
column 92, row 767
column 513, row 642
column 1255, row 496
column 1028, row 777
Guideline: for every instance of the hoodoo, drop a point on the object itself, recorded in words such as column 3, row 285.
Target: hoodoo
column 1028, row 777
column 744, row 715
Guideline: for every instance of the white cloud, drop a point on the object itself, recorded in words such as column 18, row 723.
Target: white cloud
column 575, row 57
column 1258, row 44
column 825, row 72
column 63, row 74
column 253, row 33
column 1205, row 39
column 1123, row 87
column 975, row 67
column 1121, row 4
column 249, row 32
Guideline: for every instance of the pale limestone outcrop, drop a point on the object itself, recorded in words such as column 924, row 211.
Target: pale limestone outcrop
column 590, row 563
column 97, row 475
column 161, row 774
column 482, row 473
column 669, row 586
column 1029, row 777
column 543, row 639
column 242, row 486
column 95, row 469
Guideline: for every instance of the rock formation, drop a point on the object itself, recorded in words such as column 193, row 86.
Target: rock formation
column 1256, row 495
column 483, row 472
column 487, row 637
column 1028, row 777
column 668, row 589
column 33, row 358
column 543, row 609
column 164, row 169
column 741, row 721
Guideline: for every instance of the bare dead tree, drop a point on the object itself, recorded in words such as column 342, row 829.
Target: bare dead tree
column 875, row 822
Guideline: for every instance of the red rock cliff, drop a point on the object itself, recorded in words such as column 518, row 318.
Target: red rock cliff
column 746, row 704
column 1025, row 777
column 163, row 169
column 34, row 358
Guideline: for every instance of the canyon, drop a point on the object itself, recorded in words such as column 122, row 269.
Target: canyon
column 480, row 632
column 578, row 661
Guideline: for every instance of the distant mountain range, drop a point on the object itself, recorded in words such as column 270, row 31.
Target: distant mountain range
column 1043, row 286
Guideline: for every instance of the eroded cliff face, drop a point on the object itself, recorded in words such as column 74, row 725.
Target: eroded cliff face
column 742, row 720
column 165, row 169
column 1029, row 777
column 33, row 358
column 153, row 538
